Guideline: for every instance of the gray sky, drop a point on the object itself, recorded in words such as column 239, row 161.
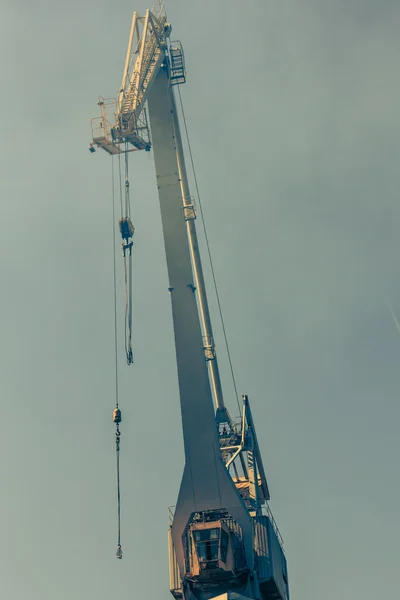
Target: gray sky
column 293, row 114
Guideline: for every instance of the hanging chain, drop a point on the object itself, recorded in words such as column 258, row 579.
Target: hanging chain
column 117, row 420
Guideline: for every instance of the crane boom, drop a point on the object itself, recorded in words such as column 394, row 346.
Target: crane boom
column 206, row 483
column 190, row 215
column 223, row 540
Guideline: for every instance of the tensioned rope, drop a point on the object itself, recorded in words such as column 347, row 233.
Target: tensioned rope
column 127, row 231
column 208, row 249
column 117, row 412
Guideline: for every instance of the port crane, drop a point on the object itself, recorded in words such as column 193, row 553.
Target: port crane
column 223, row 540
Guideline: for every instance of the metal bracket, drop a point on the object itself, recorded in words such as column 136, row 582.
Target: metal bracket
column 189, row 210
column 209, row 348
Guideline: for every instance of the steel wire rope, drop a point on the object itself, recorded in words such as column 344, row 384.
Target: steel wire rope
column 126, row 304
column 130, row 262
column 124, row 255
column 127, row 200
column 115, row 284
column 117, row 434
column 120, row 184
column 128, row 307
column 208, row 249
column 128, row 270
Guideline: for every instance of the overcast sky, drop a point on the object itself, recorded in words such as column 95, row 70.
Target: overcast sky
column 293, row 113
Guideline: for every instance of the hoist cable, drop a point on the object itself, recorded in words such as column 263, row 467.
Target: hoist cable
column 119, row 549
column 128, row 306
column 208, row 249
column 127, row 248
column 117, row 413
column 127, row 201
column 120, row 184
column 130, row 261
column 115, row 284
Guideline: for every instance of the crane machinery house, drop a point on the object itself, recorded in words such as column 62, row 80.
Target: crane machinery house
column 223, row 540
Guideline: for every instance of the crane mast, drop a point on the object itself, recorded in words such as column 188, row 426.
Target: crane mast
column 223, row 540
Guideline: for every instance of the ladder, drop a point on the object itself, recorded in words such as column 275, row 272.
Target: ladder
column 178, row 72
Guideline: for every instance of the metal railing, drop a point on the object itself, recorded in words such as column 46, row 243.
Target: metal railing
column 268, row 513
column 100, row 128
column 171, row 512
